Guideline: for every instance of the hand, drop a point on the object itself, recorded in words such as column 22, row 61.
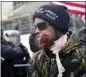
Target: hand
column 6, row 38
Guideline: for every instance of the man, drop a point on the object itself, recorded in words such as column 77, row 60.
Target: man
column 51, row 23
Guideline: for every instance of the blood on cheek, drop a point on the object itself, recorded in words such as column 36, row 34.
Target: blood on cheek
column 43, row 38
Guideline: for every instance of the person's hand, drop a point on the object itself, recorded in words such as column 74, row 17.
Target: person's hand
column 6, row 38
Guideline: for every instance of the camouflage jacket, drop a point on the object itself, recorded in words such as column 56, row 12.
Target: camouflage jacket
column 73, row 58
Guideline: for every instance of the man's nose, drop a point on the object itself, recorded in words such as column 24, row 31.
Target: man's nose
column 37, row 31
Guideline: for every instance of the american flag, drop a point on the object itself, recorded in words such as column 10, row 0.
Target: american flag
column 78, row 8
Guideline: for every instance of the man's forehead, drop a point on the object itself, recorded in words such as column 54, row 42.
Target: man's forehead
column 38, row 20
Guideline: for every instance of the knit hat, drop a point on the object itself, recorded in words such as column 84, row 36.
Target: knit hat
column 55, row 15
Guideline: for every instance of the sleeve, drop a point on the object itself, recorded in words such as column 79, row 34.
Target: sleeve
column 25, row 52
column 11, row 52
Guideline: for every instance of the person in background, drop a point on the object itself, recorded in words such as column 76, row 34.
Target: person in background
column 12, row 52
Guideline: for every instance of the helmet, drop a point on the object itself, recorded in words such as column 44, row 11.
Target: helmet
column 13, row 35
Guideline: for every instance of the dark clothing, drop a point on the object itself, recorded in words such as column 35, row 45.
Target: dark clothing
column 12, row 55
column 7, row 69
column 11, row 52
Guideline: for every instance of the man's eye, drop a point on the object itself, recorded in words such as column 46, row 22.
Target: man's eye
column 42, row 26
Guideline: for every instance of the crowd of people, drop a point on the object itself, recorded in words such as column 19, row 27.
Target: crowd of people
column 58, row 51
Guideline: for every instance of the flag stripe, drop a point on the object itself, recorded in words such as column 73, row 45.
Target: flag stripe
column 74, row 4
column 79, row 2
column 70, row 7
column 77, row 8
column 77, row 12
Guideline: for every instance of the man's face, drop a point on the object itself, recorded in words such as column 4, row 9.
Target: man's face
column 46, row 34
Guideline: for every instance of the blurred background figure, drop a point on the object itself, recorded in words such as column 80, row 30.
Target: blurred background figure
column 13, row 52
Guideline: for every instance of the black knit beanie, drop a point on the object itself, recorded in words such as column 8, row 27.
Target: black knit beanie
column 55, row 15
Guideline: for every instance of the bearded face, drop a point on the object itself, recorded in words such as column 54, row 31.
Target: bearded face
column 46, row 34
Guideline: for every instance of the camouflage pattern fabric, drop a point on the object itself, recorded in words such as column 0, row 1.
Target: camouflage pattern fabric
column 43, row 66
